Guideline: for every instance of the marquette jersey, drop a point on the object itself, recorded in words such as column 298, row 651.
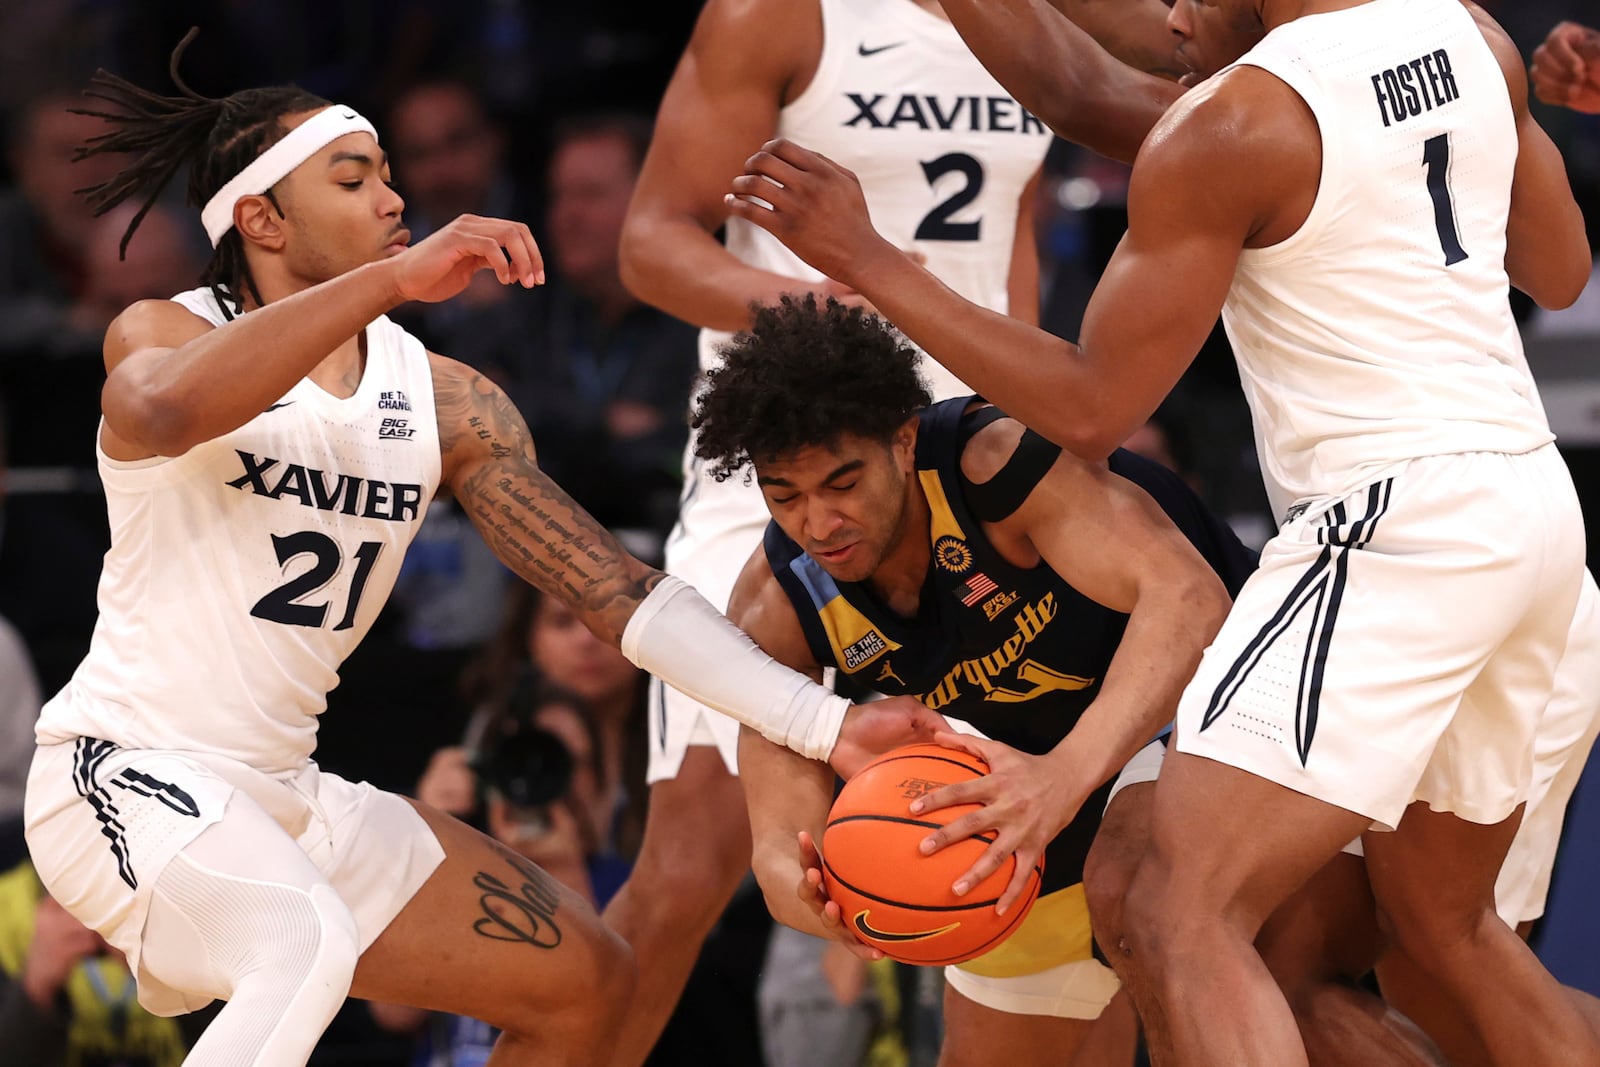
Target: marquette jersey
column 942, row 151
column 243, row 572
column 1017, row 652
column 1381, row 331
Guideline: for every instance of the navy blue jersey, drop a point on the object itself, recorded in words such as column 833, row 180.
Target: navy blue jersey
column 1016, row 651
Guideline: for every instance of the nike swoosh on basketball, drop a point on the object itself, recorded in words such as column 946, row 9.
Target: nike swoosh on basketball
column 862, row 49
column 866, row 929
column 279, row 404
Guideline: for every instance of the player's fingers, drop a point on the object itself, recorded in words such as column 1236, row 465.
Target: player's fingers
column 968, row 792
column 810, row 854
column 983, row 867
column 794, row 155
column 969, row 825
column 761, row 187
column 972, row 746
column 525, row 254
column 754, row 213
column 774, row 168
column 1019, row 882
column 488, row 251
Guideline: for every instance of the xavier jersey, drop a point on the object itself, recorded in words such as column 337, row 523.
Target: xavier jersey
column 1381, row 331
column 942, row 151
column 243, row 572
column 1015, row 651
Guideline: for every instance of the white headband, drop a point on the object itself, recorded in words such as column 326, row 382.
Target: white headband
column 271, row 166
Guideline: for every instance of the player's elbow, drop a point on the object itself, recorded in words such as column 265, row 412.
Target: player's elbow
column 637, row 258
column 1560, row 285
column 150, row 417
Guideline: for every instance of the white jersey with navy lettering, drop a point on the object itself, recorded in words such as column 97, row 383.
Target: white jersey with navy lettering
column 243, row 572
column 942, row 151
column 1381, row 331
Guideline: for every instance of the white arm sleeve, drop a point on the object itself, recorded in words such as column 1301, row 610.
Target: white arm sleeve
column 677, row 635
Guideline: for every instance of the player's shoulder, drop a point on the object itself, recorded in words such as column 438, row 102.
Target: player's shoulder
column 151, row 324
column 1244, row 107
column 770, row 35
column 1234, row 144
column 1506, row 53
column 987, row 451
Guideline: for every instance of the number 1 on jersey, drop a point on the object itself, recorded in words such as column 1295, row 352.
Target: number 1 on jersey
column 1436, row 157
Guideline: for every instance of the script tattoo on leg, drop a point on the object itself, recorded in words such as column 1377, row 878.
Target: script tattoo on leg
column 513, row 912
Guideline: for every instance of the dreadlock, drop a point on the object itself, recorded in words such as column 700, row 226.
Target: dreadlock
column 803, row 375
column 217, row 138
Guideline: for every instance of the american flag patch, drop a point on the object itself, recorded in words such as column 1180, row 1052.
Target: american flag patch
column 976, row 588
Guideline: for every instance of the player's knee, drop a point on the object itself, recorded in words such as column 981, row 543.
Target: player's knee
column 309, row 940
column 1432, row 936
column 588, row 1003
column 1107, row 877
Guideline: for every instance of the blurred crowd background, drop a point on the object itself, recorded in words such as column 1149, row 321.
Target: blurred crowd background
column 472, row 693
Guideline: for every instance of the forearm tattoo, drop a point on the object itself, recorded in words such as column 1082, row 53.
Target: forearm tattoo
column 524, row 912
column 535, row 528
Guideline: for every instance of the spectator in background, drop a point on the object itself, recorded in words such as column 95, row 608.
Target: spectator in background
column 45, row 226
column 164, row 257
column 533, row 783
column 539, row 635
column 600, row 375
column 66, row 997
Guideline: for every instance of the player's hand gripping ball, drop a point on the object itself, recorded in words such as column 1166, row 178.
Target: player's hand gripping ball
column 890, row 894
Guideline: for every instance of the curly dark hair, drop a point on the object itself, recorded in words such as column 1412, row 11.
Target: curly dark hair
column 214, row 138
column 804, row 375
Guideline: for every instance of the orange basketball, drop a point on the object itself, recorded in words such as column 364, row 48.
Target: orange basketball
column 892, row 895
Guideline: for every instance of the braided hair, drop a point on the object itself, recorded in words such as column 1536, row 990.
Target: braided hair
column 216, row 138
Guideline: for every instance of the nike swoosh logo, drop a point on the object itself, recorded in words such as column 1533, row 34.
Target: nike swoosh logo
column 347, row 114
column 863, row 50
column 279, row 404
column 866, row 929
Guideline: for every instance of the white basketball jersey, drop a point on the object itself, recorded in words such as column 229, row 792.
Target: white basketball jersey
column 1381, row 331
column 942, row 151
column 242, row 573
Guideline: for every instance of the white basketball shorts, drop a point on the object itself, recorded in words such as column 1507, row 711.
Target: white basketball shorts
column 103, row 822
column 720, row 525
column 1400, row 643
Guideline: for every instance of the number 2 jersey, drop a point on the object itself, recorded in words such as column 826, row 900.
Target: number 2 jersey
column 1381, row 331
column 1015, row 651
column 243, row 572
column 942, row 151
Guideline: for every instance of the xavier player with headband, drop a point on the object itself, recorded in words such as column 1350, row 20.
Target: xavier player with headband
column 1056, row 605
column 1401, row 636
column 950, row 162
column 269, row 444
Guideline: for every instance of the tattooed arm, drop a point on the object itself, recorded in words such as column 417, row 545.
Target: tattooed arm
column 660, row 624
column 535, row 528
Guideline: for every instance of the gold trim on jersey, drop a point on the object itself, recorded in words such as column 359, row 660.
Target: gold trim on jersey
column 856, row 640
column 1055, row 932
column 940, row 516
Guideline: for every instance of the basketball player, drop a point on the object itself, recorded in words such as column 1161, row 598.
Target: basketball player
column 1426, row 512
column 949, row 162
column 269, row 443
column 943, row 552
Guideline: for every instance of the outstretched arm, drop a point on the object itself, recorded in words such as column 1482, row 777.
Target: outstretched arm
column 662, row 625
column 1175, row 604
column 1057, row 70
column 174, row 381
column 1214, row 174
